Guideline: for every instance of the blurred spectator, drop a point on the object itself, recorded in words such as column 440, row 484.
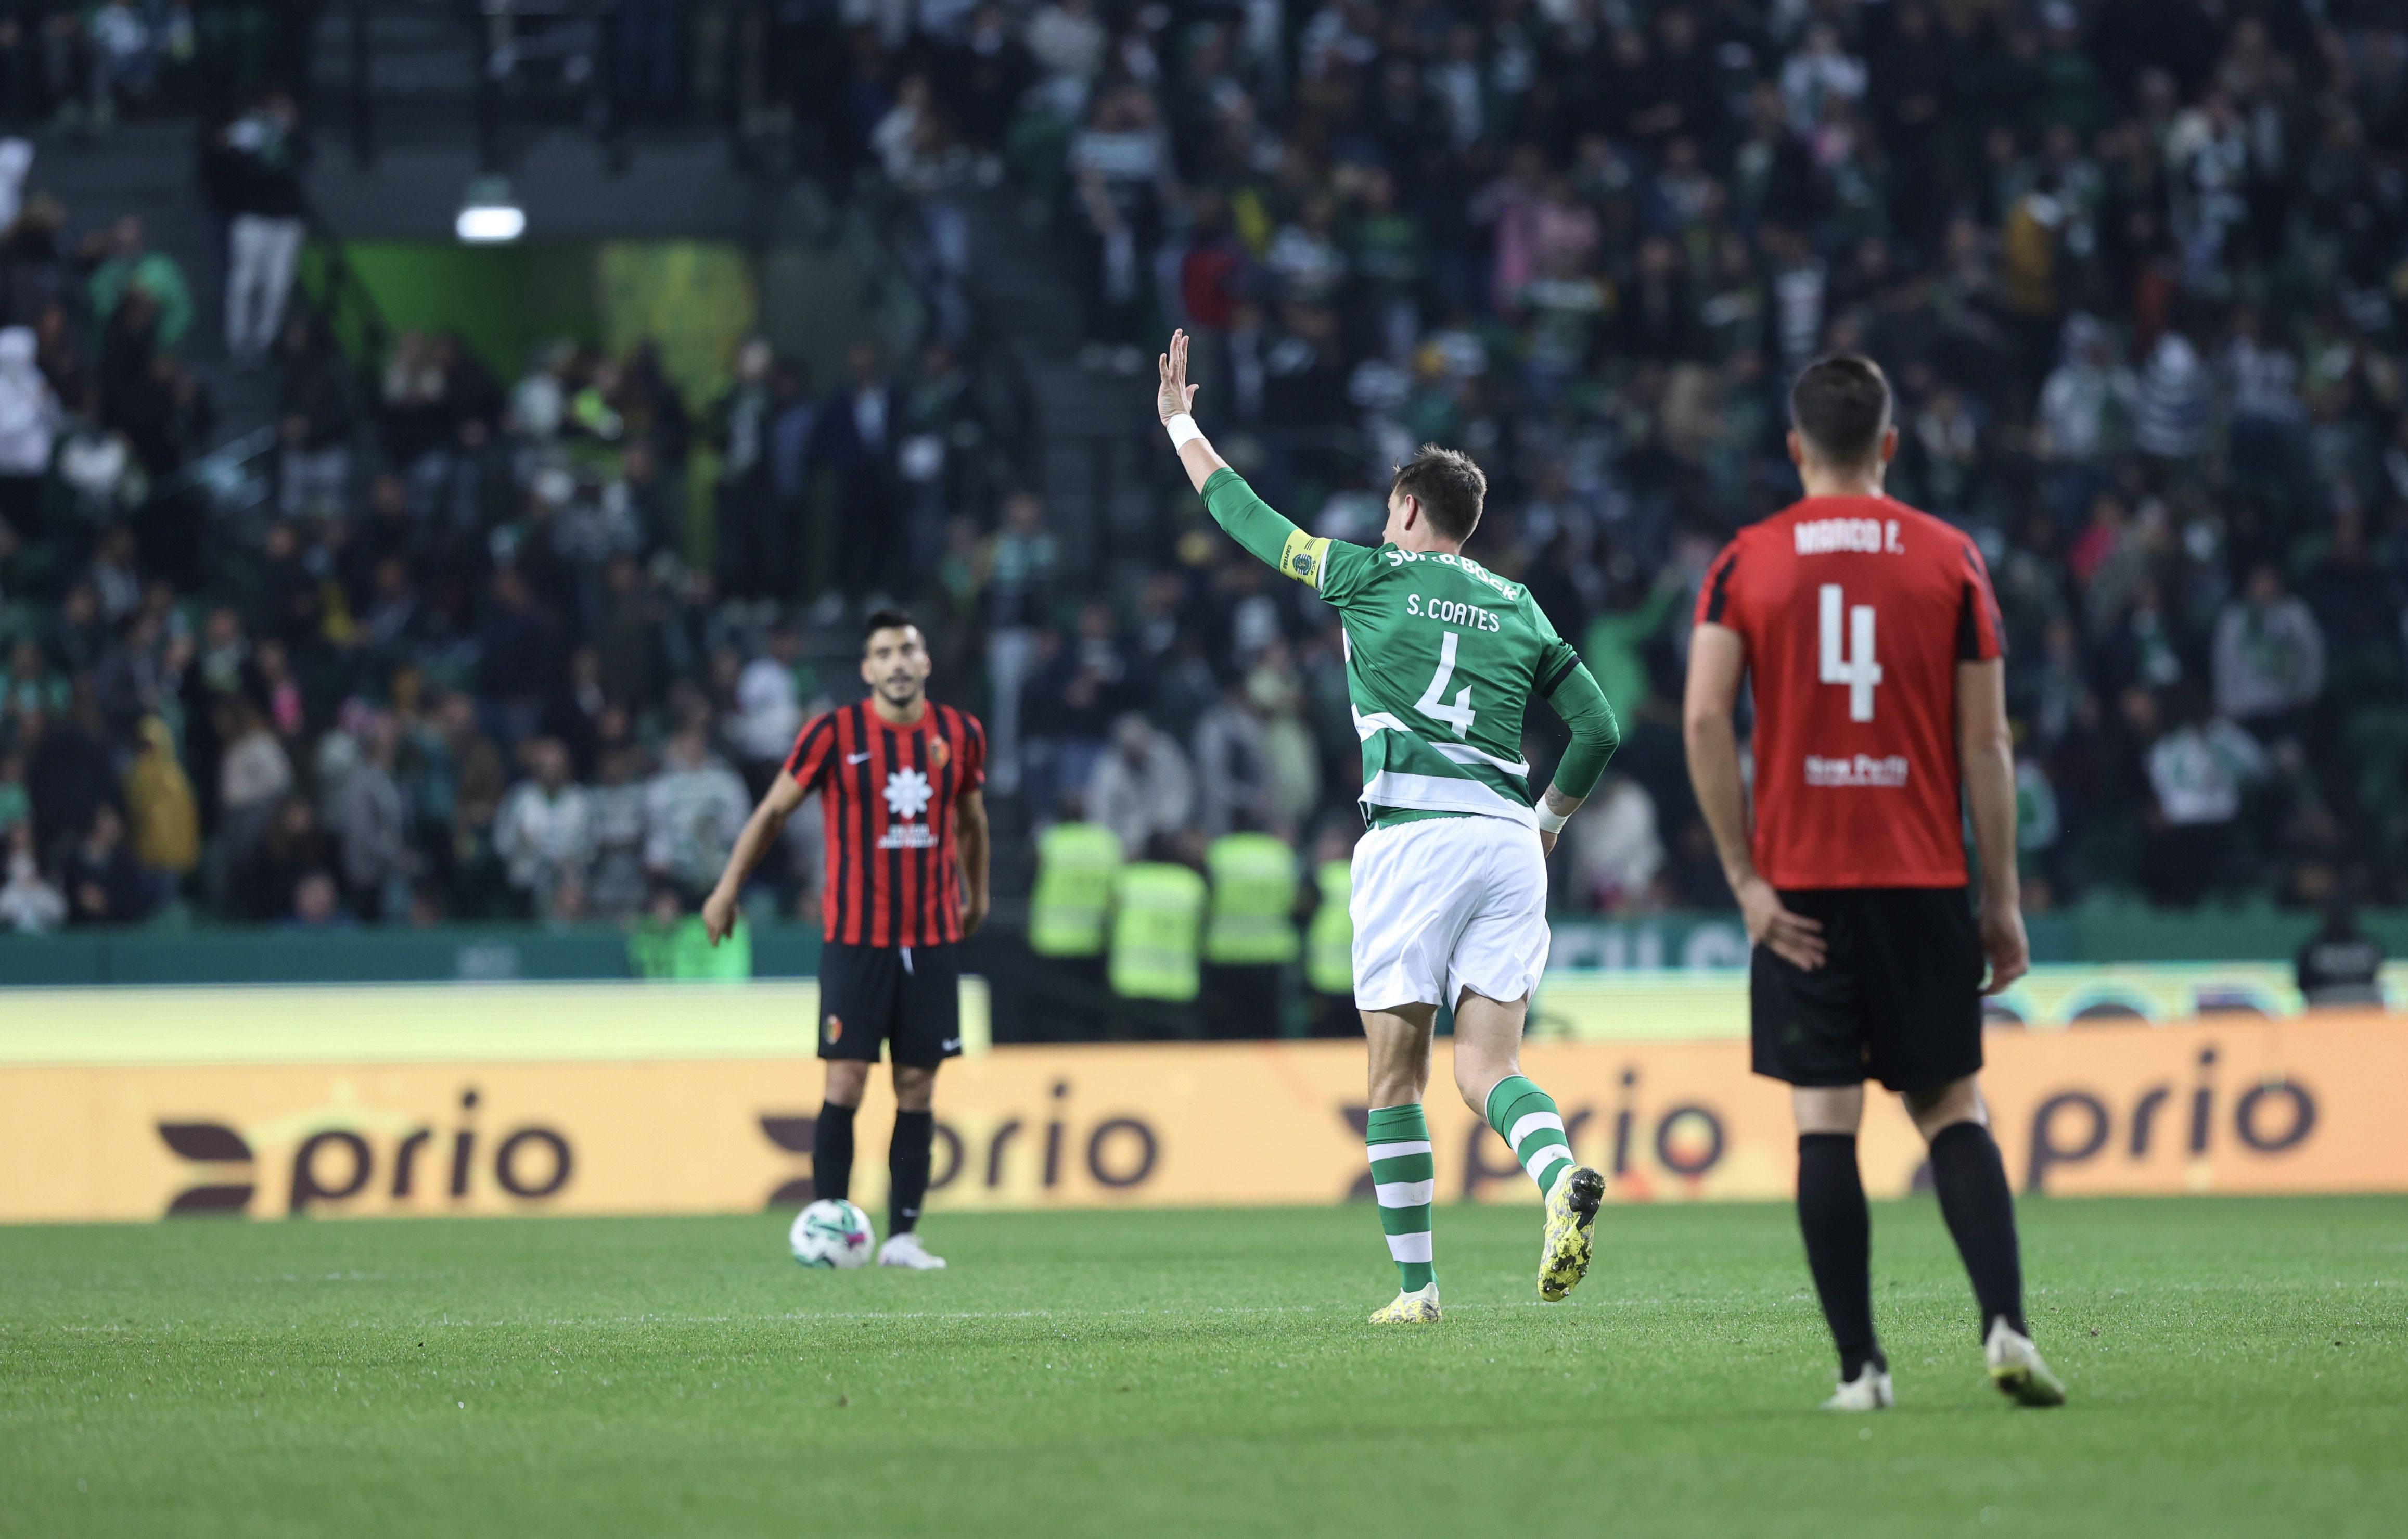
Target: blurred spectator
column 546, row 829
column 1616, row 853
column 370, row 825
column 855, row 440
column 253, row 776
column 103, row 883
column 132, row 263
column 694, row 809
column 770, row 706
column 1019, row 564
column 260, row 193
column 1142, row 788
column 2270, row 654
column 315, row 420
column 2199, row 770
column 292, row 845
column 317, row 903
column 28, row 413
column 160, row 805
column 615, row 887
column 28, row 904
column 1233, row 765
column 68, row 773
column 2341, row 964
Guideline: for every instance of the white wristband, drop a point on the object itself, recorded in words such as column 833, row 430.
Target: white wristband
column 1551, row 823
column 1182, row 430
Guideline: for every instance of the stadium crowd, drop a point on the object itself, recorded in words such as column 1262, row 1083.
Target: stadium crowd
column 2133, row 265
column 2134, row 268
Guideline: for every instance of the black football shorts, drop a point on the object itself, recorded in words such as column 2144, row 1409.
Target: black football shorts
column 908, row 996
column 1898, row 997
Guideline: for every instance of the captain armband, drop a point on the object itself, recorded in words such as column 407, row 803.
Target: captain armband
column 1302, row 558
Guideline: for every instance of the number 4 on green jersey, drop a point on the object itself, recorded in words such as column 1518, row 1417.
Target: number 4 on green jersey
column 1443, row 656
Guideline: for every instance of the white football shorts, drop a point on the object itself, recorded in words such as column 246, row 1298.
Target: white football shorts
column 1443, row 904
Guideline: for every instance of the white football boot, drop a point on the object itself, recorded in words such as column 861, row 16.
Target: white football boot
column 1868, row 1391
column 905, row 1250
column 2016, row 1369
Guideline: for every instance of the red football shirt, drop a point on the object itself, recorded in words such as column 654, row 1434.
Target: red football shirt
column 887, row 796
column 1855, row 613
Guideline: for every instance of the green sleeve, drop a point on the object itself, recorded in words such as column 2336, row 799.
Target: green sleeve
column 1595, row 734
column 1270, row 538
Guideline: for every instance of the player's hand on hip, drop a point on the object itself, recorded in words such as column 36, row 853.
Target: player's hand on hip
column 1792, row 937
column 1547, row 842
column 2004, row 943
column 719, row 914
column 1176, row 393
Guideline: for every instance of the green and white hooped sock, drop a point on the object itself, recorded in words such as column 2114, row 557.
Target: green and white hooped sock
column 1402, row 1175
column 1525, row 1116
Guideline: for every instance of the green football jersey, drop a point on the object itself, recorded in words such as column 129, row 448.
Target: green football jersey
column 1443, row 656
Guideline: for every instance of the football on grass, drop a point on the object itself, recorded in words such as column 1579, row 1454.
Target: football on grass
column 831, row 1233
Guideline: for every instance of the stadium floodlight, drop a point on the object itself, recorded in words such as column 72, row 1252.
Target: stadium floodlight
column 489, row 216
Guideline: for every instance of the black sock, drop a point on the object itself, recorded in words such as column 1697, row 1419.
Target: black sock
column 1980, row 1207
column 1839, row 1244
column 906, row 1169
column 832, row 1152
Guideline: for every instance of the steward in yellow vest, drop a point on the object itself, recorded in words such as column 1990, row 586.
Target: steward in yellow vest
column 1076, row 865
column 1156, row 933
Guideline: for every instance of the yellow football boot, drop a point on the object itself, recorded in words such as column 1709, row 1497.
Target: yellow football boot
column 1416, row 1308
column 1572, row 1226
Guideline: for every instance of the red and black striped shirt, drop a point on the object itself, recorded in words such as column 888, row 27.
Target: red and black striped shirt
column 887, row 796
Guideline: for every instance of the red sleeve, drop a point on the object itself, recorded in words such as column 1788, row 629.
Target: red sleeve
column 973, row 753
column 808, row 760
column 1981, row 634
column 1714, row 598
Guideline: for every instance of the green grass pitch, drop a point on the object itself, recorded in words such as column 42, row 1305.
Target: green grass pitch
column 2236, row 1367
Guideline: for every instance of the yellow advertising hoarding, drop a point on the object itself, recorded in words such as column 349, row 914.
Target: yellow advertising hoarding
column 134, row 1104
column 1694, row 1004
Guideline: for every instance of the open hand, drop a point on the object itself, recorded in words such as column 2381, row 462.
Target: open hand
column 1792, row 937
column 1176, row 393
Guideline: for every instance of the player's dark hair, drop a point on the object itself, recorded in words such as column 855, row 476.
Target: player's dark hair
column 1840, row 406
column 885, row 619
column 1449, row 487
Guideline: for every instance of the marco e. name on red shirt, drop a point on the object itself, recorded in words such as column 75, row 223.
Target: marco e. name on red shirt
column 1855, row 613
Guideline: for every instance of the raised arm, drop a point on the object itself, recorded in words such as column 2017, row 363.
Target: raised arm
column 1170, row 403
column 1265, row 534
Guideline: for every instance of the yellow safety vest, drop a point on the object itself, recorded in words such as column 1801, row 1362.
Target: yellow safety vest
column 1155, row 931
column 1329, row 948
column 1076, row 863
column 1253, row 902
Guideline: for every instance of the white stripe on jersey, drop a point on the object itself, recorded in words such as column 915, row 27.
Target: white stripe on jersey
column 1443, row 794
